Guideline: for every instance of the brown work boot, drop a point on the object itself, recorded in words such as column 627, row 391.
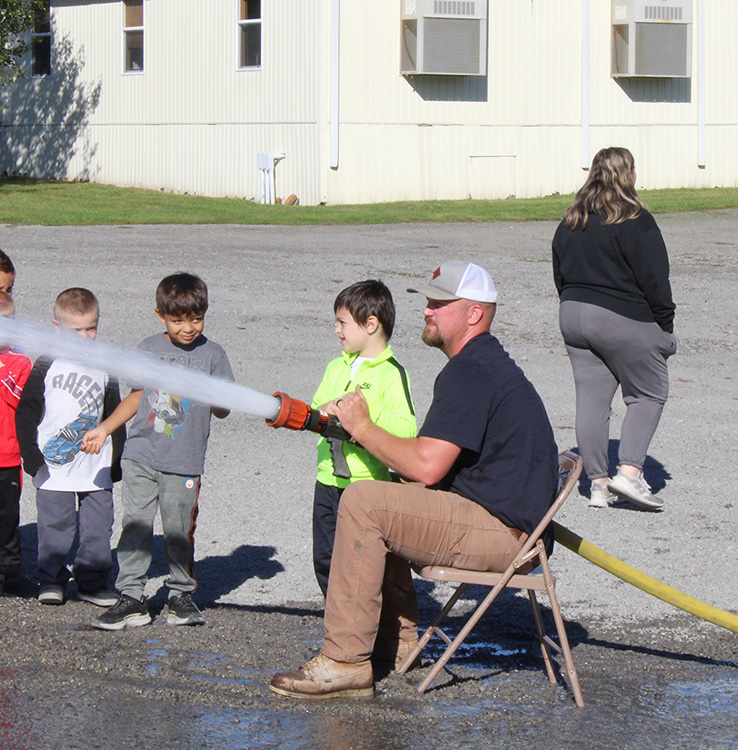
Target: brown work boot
column 395, row 653
column 322, row 677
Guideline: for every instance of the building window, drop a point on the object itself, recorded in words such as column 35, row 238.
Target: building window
column 133, row 35
column 41, row 40
column 249, row 34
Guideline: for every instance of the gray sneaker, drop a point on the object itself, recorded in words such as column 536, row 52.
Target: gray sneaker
column 600, row 497
column 127, row 612
column 183, row 611
column 51, row 593
column 636, row 491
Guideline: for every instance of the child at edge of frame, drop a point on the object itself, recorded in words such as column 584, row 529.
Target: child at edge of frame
column 14, row 371
column 163, row 460
column 60, row 402
column 365, row 319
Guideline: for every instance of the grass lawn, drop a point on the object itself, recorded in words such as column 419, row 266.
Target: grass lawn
column 52, row 203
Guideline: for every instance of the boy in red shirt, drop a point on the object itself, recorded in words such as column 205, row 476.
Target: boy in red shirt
column 14, row 371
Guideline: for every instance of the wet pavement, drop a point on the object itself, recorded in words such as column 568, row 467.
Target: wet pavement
column 65, row 685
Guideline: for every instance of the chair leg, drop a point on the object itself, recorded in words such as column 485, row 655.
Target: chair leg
column 545, row 650
column 470, row 623
column 434, row 628
column 561, row 630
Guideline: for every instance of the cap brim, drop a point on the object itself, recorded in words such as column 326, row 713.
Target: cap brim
column 433, row 292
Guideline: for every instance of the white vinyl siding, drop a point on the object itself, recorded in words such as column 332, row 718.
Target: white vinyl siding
column 195, row 122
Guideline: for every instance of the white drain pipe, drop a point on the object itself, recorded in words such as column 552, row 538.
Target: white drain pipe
column 335, row 79
column 701, row 105
column 586, row 157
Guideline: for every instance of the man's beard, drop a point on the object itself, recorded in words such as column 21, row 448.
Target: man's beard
column 432, row 337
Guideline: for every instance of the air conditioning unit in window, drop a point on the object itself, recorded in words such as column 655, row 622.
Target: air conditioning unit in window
column 444, row 37
column 651, row 38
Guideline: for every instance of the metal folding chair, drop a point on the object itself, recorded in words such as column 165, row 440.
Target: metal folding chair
column 531, row 556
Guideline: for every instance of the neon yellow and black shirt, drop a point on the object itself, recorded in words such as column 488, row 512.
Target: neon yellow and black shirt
column 385, row 385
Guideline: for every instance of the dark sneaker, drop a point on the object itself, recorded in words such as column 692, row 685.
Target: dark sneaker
column 127, row 612
column 183, row 611
column 322, row 677
column 100, row 597
column 20, row 586
column 51, row 593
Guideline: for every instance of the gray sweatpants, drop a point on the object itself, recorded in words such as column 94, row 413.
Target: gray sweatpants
column 607, row 350
column 146, row 490
column 57, row 527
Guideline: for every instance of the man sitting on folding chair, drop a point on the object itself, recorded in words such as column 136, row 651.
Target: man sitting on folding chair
column 484, row 473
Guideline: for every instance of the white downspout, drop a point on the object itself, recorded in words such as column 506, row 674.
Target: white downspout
column 586, row 25
column 701, row 76
column 335, row 78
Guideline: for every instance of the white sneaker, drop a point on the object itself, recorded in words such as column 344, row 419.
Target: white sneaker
column 600, row 497
column 51, row 593
column 636, row 491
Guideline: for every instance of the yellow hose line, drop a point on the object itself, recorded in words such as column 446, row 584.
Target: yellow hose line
column 645, row 582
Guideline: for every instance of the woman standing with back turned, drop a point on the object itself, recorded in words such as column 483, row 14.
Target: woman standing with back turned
column 617, row 318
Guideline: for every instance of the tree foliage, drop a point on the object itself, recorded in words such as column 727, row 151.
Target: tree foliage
column 16, row 18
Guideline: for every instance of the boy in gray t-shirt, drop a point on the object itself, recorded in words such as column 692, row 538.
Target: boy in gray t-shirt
column 163, row 459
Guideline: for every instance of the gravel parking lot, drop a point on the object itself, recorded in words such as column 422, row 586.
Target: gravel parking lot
column 271, row 295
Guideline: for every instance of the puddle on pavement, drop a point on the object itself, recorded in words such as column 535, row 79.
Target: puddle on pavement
column 512, row 709
column 469, row 649
column 694, row 705
column 706, row 698
column 700, row 713
column 256, row 730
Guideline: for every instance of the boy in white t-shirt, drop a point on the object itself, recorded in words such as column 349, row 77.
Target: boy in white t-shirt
column 60, row 403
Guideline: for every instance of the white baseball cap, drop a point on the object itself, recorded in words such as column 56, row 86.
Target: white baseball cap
column 457, row 279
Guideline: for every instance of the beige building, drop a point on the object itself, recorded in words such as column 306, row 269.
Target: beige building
column 385, row 100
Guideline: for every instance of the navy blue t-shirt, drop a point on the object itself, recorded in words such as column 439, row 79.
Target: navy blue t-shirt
column 483, row 403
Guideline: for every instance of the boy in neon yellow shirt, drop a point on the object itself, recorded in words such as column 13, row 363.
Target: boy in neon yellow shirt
column 365, row 318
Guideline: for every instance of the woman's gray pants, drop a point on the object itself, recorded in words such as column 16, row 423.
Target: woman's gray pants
column 607, row 350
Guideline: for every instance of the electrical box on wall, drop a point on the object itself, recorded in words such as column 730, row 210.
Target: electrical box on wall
column 651, row 38
column 444, row 37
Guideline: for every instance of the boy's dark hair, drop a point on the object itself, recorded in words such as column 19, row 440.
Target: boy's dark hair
column 366, row 298
column 6, row 265
column 77, row 301
column 182, row 294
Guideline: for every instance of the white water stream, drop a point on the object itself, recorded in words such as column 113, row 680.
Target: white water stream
column 135, row 368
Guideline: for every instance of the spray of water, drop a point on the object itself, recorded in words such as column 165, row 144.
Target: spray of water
column 136, row 368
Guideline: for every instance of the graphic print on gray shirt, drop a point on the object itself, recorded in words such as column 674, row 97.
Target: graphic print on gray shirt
column 169, row 433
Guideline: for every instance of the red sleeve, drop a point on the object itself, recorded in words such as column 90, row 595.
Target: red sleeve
column 14, row 372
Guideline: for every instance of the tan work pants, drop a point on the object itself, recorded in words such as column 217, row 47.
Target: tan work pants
column 382, row 527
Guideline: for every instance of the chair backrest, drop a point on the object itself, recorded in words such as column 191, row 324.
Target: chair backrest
column 570, row 467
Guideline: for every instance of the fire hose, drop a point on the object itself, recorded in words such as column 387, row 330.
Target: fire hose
column 297, row 415
column 643, row 581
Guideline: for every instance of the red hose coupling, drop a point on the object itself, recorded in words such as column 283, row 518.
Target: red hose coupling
column 293, row 414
